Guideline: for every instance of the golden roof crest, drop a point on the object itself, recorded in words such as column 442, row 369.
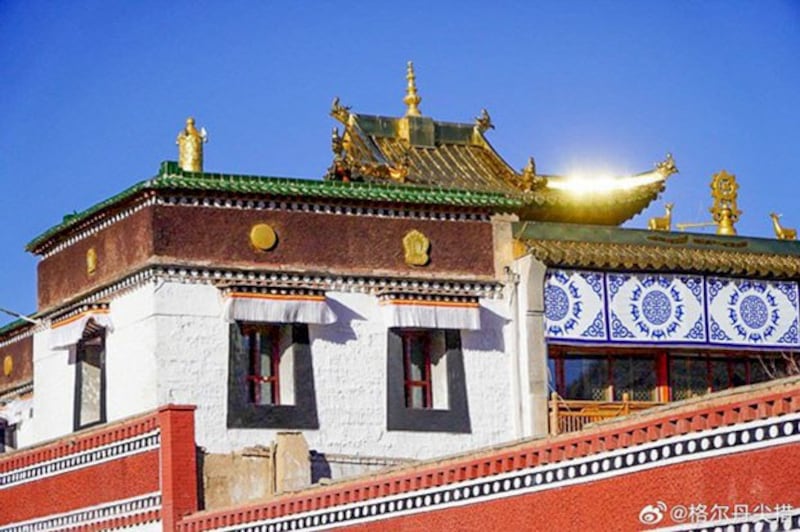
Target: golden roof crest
column 412, row 99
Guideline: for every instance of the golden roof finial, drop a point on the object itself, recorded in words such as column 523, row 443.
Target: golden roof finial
column 190, row 147
column 724, row 190
column 412, row 99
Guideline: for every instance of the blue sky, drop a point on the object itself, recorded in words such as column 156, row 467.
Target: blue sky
column 94, row 92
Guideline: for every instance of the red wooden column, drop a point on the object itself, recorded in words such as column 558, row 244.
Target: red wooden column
column 178, row 464
column 662, row 377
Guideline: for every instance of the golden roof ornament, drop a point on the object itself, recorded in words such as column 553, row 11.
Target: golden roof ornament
column 782, row 233
column 412, row 99
column 667, row 166
column 662, row 223
column 529, row 180
column 483, row 121
column 340, row 112
column 190, row 147
column 724, row 190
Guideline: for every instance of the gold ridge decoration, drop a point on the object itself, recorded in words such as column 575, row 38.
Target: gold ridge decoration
column 732, row 261
column 8, row 365
column 416, row 246
column 782, row 233
column 412, row 98
column 724, row 190
column 662, row 223
column 263, row 237
column 190, row 147
column 91, row 261
column 483, row 121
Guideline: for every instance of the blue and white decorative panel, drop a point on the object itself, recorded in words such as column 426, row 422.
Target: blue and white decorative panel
column 574, row 304
column 655, row 308
column 752, row 312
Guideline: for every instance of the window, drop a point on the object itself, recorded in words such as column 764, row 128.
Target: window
column 271, row 378
column 8, row 436
column 425, row 379
column 90, row 396
column 268, row 349
column 604, row 377
column 692, row 375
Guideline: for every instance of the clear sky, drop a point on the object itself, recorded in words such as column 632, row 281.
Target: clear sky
column 93, row 93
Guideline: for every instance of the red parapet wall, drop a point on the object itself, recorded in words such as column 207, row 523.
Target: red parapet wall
column 729, row 460
column 107, row 477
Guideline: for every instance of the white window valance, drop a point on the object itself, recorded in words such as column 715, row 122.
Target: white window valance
column 402, row 312
column 68, row 332
column 277, row 308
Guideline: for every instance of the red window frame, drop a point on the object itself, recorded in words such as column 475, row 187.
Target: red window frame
column 256, row 336
column 409, row 384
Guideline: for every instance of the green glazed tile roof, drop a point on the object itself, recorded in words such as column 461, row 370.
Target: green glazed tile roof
column 170, row 177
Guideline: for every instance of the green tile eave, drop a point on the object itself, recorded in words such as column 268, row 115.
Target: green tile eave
column 170, row 177
column 13, row 326
column 602, row 234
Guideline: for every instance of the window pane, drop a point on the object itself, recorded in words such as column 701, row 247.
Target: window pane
column 720, row 379
column 416, row 397
column 552, row 380
column 418, row 355
column 688, row 377
column 761, row 367
column 634, row 376
column 90, row 357
column 739, row 372
column 586, row 378
column 262, row 377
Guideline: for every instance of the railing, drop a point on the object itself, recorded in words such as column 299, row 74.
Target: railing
column 571, row 416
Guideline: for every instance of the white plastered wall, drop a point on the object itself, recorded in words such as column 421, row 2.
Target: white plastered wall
column 130, row 369
column 170, row 345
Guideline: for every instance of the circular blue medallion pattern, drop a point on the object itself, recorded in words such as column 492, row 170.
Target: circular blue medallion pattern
column 753, row 311
column 556, row 303
column 656, row 307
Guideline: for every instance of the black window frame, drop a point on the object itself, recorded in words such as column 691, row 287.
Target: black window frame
column 244, row 413
column 80, row 352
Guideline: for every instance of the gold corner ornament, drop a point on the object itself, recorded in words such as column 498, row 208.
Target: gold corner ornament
column 724, row 190
column 8, row 365
column 662, row 223
column 340, row 112
column 412, row 98
column 416, row 247
column 782, row 233
column 529, row 180
column 91, row 261
column 667, row 167
column 263, row 237
column 190, row 147
column 483, row 122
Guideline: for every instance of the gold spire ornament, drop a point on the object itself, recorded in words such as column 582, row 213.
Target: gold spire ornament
column 190, row 147
column 724, row 190
column 412, row 99
column 529, row 180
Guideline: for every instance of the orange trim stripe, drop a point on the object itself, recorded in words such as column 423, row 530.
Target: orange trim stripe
column 294, row 297
column 79, row 316
column 414, row 302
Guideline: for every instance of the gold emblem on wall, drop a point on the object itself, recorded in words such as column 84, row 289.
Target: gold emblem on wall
column 416, row 247
column 8, row 365
column 263, row 237
column 91, row 261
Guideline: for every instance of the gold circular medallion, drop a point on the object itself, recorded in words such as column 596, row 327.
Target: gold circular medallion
column 263, row 237
column 8, row 365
